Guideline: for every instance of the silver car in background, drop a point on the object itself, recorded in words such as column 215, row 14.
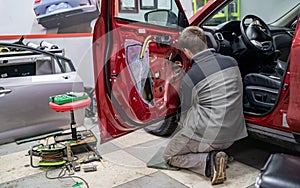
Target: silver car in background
column 64, row 13
column 28, row 77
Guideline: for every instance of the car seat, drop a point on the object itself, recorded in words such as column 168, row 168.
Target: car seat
column 260, row 92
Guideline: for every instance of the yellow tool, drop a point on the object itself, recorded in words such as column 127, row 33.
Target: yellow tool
column 90, row 158
column 145, row 45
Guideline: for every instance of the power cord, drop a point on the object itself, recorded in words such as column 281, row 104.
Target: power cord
column 62, row 175
column 67, row 167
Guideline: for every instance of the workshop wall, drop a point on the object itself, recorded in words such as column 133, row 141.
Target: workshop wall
column 18, row 18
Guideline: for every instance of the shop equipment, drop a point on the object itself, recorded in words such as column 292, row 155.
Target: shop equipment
column 69, row 102
column 81, row 141
column 51, row 155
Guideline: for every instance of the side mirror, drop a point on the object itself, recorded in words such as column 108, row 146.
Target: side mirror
column 161, row 17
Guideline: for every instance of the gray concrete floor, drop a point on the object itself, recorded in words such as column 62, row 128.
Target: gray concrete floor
column 125, row 165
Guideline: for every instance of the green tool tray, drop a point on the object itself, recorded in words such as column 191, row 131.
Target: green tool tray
column 68, row 97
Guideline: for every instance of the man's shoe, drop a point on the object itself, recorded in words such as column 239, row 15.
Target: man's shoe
column 218, row 167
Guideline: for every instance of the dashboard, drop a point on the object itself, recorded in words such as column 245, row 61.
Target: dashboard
column 224, row 38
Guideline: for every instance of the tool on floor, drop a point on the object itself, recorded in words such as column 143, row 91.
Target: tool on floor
column 69, row 165
column 77, row 184
column 51, row 155
column 89, row 168
column 76, row 166
column 39, row 137
column 100, row 158
column 89, row 158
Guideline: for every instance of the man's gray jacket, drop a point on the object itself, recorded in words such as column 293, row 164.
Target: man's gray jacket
column 211, row 100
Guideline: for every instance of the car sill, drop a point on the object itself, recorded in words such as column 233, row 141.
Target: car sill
column 270, row 133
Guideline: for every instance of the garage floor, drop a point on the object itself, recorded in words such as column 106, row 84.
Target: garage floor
column 125, row 166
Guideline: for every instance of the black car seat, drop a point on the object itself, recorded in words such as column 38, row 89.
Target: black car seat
column 260, row 92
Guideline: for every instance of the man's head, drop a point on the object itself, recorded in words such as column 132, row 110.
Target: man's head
column 192, row 40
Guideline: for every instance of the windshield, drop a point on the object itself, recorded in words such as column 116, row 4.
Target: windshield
column 268, row 10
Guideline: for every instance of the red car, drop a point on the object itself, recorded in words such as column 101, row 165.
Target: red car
column 138, row 76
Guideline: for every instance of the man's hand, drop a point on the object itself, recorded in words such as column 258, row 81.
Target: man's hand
column 178, row 63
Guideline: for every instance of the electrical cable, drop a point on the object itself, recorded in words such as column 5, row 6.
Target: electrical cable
column 53, row 156
column 62, row 174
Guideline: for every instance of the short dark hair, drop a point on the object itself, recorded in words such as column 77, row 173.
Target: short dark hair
column 193, row 38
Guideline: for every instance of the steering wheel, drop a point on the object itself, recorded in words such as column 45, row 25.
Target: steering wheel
column 256, row 34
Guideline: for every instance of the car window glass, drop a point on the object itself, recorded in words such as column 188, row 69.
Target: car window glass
column 44, row 65
column 66, row 64
column 162, row 12
column 228, row 13
column 237, row 9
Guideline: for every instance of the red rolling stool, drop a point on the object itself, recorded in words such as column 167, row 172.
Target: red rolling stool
column 71, row 106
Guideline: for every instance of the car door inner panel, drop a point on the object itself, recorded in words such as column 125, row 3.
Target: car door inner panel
column 148, row 60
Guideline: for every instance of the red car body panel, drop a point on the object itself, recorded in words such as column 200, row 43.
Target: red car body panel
column 114, row 92
column 117, row 97
column 293, row 115
column 99, row 45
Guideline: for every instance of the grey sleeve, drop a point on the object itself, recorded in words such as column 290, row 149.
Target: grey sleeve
column 186, row 94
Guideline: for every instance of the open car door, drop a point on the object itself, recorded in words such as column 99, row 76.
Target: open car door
column 293, row 115
column 134, row 62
